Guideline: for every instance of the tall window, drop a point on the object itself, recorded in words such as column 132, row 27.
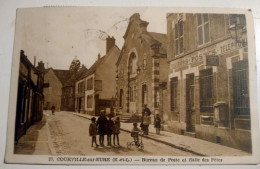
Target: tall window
column 132, row 64
column 81, row 87
column 203, row 28
column 206, row 90
column 173, row 88
column 121, row 97
column 144, row 94
column 144, row 62
column 240, row 88
column 132, row 91
column 90, row 84
column 178, row 37
column 157, row 99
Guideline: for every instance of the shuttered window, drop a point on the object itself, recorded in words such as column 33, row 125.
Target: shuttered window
column 240, row 88
column 203, row 28
column 174, row 94
column 206, row 90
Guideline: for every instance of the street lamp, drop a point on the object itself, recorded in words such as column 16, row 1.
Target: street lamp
column 236, row 31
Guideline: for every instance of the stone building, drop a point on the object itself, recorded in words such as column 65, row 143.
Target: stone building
column 68, row 89
column 142, row 69
column 208, row 78
column 96, row 88
column 29, row 108
column 55, row 79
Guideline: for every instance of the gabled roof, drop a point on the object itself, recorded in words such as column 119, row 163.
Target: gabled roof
column 151, row 38
column 62, row 75
column 135, row 18
column 93, row 68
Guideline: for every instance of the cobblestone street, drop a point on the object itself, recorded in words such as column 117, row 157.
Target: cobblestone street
column 69, row 136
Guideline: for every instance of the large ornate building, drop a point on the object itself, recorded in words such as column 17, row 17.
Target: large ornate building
column 142, row 69
column 208, row 79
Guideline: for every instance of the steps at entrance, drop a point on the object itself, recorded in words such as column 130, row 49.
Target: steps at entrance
column 130, row 118
column 190, row 134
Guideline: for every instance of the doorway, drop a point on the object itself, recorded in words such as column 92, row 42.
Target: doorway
column 79, row 106
column 190, row 110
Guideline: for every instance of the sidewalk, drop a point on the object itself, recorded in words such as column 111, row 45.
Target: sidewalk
column 185, row 143
column 35, row 141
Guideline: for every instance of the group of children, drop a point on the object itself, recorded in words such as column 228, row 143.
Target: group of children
column 104, row 127
column 108, row 127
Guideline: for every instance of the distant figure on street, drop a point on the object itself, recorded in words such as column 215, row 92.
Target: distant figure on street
column 116, row 130
column 110, row 127
column 52, row 109
column 93, row 131
column 102, row 127
column 157, row 123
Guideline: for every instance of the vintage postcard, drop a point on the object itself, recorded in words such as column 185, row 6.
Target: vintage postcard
column 142, row 85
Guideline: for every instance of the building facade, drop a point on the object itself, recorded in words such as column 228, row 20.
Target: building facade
column 68, row 90
column 29, row 108
column 96, row 89
column 142, row 69
column 55, row 79
column 208, row 78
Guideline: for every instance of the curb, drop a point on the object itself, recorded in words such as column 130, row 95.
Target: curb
column 157, row 140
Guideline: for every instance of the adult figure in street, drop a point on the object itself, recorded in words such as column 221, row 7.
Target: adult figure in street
column 102, row 127
column 146, row 110
column 146, row 121
column 116, row 130
column 52, row 109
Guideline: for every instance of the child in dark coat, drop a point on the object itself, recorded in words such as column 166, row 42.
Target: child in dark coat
column 116, row 130
column 110, row 127
column 157, row 123
column 93, row 131
column 102, row 127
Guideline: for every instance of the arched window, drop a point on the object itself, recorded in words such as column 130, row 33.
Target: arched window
column 144, row 62
column 132, row 64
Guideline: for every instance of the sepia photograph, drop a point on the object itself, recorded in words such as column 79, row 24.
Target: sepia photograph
column 143, row 85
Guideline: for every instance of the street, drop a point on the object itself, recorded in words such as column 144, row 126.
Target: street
column 70, row 136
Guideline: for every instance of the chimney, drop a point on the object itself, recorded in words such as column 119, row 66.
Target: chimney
column 99, row 56
column 34, row 63
column 110, row 43
column 41, row 66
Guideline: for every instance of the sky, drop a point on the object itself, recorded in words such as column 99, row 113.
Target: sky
column 57, row 35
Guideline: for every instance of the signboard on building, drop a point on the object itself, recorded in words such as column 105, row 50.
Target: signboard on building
column 212, row 60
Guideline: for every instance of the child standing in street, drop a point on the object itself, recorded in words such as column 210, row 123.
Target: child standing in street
column 157, row 123
column 110, row 127
column 116, row 130
column 93, row 131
